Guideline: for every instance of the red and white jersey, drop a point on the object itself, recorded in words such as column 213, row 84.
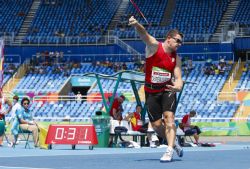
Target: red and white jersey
column 187, row 121
column 159, row 69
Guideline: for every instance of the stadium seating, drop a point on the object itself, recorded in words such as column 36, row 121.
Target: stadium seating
column 154, row 13
column 244, row 82
column 51, row 82
column 61, row 109
column 41, row 83
column 201, row 97
column 72, row 19
column 12, row 15
column 242, row 15
column 86, row 67
column 9, row 70
column 76, row 22
column 196, row 19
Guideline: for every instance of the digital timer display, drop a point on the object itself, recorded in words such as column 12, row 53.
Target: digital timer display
column 71, row 134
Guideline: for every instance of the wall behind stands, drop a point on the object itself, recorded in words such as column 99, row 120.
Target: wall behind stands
column 242, row 44
column 28, row 51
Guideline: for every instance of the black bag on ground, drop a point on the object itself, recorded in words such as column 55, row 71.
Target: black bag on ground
column 120, row 129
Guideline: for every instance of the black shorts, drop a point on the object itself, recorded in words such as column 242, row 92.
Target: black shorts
column 192, row 131
column 157, row 103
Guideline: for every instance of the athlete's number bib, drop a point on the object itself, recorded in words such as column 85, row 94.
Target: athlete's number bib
column 160, row 75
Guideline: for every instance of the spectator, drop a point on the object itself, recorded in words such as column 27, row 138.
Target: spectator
column 184, row 65
column 221, row 68
column 79, row 96
column 216, row 71
column 244, row 68
column 4, row 111
column 188, row 128
column 124, row 66
column 116, row 109
column 190, row 65
column 15, row 107
column 209, row 69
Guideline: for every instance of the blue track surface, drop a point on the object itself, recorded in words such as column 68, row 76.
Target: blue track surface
column 233, row 156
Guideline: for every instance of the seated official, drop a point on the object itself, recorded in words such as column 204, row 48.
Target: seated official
column 137, row 125
column 25, row 121
column 189, row 129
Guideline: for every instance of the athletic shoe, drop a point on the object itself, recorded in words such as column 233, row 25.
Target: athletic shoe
column 178, row 149
column 198, row 144
column 154, row 137
column 150, row 130
column 10, row 144
column 18, row 141
column 167, row 156
column 152, row 144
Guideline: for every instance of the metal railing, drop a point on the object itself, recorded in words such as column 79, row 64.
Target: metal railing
column 242, row 89
column 244, row 32
column 89, row 58
column 235, row 71
column 202, row 56
column 87, row 40
column 125, row 46
column 227, row 96
column 51, row 98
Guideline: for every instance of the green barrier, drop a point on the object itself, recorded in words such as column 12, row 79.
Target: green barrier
column 46, row 124
column 102, row 127
column 2, row 127
column 224, row 128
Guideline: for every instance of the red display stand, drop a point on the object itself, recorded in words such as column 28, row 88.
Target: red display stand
column 71, row 134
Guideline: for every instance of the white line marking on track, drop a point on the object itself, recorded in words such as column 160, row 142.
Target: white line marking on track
column 109, row 151
column 8, row 167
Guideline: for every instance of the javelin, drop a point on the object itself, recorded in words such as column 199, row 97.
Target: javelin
column 138, row 10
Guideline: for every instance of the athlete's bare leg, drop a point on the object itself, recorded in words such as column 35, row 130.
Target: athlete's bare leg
column 170, row 131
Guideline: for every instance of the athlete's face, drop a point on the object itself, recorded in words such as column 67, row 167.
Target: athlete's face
column 174, row 42
column 192, row 114
column 138, row 109
column 120, row 99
